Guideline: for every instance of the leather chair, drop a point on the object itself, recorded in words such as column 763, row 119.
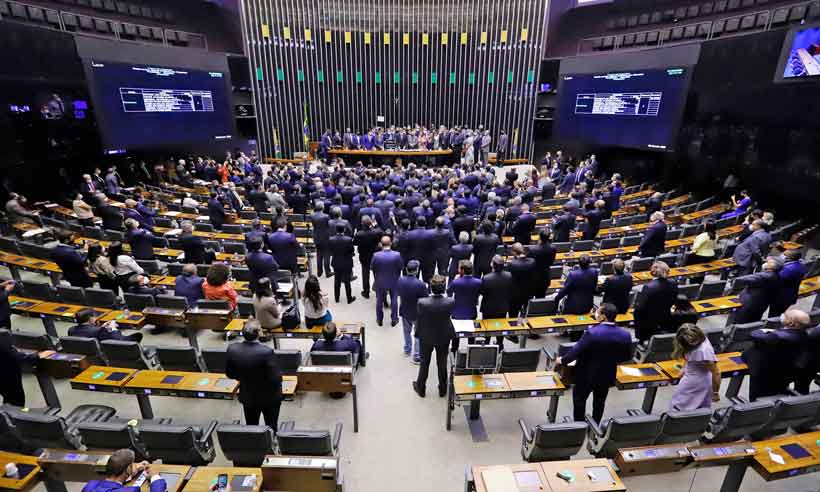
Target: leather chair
column 690, row 291
column 520, row 360
column 683, row 426
column 32, row 341
column 213, row 304
column 610, row 242
column 246, row 445
column 541, row 307
column 128, row 354
column 323, row 358
column 114, row 434
column 103, row 298
column 641, row 264
column 658, row 348
column 71, row 295
column 175, row 269
column 711, row 289
column 171, row 302
column 289, row 360
column 53, row 431
column 179, row 359
column 737, row 338
column 234, row 248
column 44, row 292
column 10, row 438
column 604, row 440
column 739, row 421
column 138, row 302
column 308, row 442
column 179, row 444
column 551, row 442
column 88, row 347
column 801, row 413
column 214, row 359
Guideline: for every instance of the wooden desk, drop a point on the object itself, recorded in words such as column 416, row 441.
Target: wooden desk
column 27, row 471
column 204, row 479
column 644, row 460
column 500, row 327
column 717, row 305
column 720, row 454
column 301, row 473
column 475, row 388
column 330, row 379
column 178, row 383
column 64, row 312
column 103, row 378
column 132, row 320
column 651, row 378
column 208, row 319
column 592, row 475
column 70, row 465
column 507, row 478
column 729, row 364
column 804, row 444
column 595, row 475
column 23, row 305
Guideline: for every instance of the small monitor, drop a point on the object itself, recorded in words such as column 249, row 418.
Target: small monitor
column 482, row 357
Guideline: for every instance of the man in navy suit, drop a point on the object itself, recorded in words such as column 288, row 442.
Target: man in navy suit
column 593, row 219
column 597, row 355
column 760, row 290
column 367, row 240
column 524, row 225
column 410, row 289
column 654, row 239
column 86, row 328
column 790, row 276
column 70, row 261
column 260, row 265
column 321, row 237
column 484, row 246
column 522, row 269
column 386, row 266
column 562, row 226
column 194, row 246
column 654, row 302
column 140, row 240
column 131, row 212
column 617, row 287
column 189, row 285
column 444, row 240
column 749, row 253
column 435, row 332
column 331, row 342
column 284, row 246
column 342, row 250
column 216, row 212
column 121, row 469
column 461, row 251
column 579, row 288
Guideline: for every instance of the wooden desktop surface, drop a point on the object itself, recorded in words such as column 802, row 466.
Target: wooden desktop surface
column 23, row 304
column 534, row 382
column 510, row 478
column 606, row 480
column 628, row 381
column 65, row 311
column 202, row 384
column 540, row 477
column 204, row 478
column 342, row 328
column 134, row 320
column 22, row 482
column 180, row 472
column 480, row 384
column 769, row 469
column 100, row 377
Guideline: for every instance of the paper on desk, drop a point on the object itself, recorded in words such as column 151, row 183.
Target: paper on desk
column 631, row 371
column 33, row 232
column 173, row 232
column 206, row 218
column 499, row 480
column 463, row 325
column 776, row 458
column 172, row 213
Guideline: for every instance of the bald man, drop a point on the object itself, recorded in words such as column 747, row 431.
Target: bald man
column 772, row 359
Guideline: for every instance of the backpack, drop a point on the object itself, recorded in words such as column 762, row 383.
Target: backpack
column 290, row 317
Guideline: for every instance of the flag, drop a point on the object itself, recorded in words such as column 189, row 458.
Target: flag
column 306, row 129
column 277, row 151
column 515, row 144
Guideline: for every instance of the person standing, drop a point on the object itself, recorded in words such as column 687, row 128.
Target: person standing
column 466, row 289
column 597, row 354
column 484, row 246
column 563, row 225
column 321, row 238
column 260, row 381
column 444, row 241
column 790, row 276
column 522, row 269
column 544, row 255
column 70, row 261
column 435, row 332
column 284, row 246
column 496, row 291
column 501, row 148
column 579, row 288
column 593, row 219
column 410, row 289
column 653, row 242
column 386, row 266
column 654, row 303
column 367, row 241
column 524, row 225
column 140, row 240
column 749, row 252
column 617, row 287
column 700, row 384
column 11, row 360
column 760, row 290
column 216, row 212
column 458, row 252
column 342, row 250
column 260, row 265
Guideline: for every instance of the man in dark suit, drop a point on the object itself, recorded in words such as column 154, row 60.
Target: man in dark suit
column 194, row 246
column 461, row 251
column 331, row 342
column 773, row 357
column 790, row 277
column 336, row 220
column 522, row 269
column 807, row 364
column 524, row 225
column 342, row 250
column 189, row 285
column 258, row 199
column 284, row 246
column 760, row 289
column 132, row 212
column 617, row 287
column 321, row 237
column 257, row 232
column 386, row 266
column 749, row 252
column 484, row 246
column 654, row 239
column 597, row 355
column 216, row 211
column 548, row 190
column 435, row 331
column 70, row 261
column 6, row 289
column 544, row 255
column 496, row 293
column 654, row 302
column 111, row 215
column 463, row 221
column 593, row 219
column 444, row 240
column 367, row 242
column 11, row 360
column 140, row 240
column 260, row 265
column 579, row 288
column 410, row 289
column 86, row 327
column 260, row 381
column 653, row 204
column 562, row 226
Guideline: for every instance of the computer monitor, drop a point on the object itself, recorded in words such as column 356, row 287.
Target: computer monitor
column 482, row 357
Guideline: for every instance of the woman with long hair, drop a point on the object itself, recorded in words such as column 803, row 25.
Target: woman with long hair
column 315, row 303
column 125, row 267
column 266, row 306
column 100, row 265
column 700, row 384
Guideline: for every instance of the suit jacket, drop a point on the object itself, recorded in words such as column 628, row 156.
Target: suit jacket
column 458, row 252
column 484, row 247
column 548, row 191
column 434, row 326
column 111, row 217
column 386, row 267
column 598, row 353
column 579, row 289
column 254, row 366
column 616, row 290
column 261, row 265
column 654, row 240
column 790, row 277
column 808, row 362
column 11, row 361
column 142, row 244
column 341, row 250
column 321, row 228
column 444, row 239
column 193, row 247
column 463, row 223
column 72, row 263
column 523, row 275
column 752, row 249
column 594, row 218
column 259, row 201
column 544, row 256
column 367, row 243
column 652, row 307
column 285, row 249
column 562, row 226
column 523, row 227
column 466, row 291
column 760, row 290
column 653, row 205
column 496, row 292
column 334, row 223
column 216, row 213
column 189, row 287
column 410, row 290
column 94, row 331
column 144, row 222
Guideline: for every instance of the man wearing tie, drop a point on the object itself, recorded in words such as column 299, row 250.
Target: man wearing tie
column 654, row 302
column 524, row 225
column 435, row 331
column 563, row 226
column 386, row 266
column 597, row 355
column 750, row 251
column 653, row 242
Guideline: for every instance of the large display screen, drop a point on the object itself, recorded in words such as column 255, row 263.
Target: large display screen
column 154, row 106
column 636, row 108
column 800, row 58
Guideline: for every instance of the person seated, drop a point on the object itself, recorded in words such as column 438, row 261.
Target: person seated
column 265, row 305
column 741, row 206
column 189, row 285
column 71, row 260
column 120, row 469
column 100, row 265
column 141, row 284
column 331, row 343
column 87, row 327
column 218, row 285
column 315, row 303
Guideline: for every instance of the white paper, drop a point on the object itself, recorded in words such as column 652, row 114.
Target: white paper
column 776, row 458
column 205, row 218
column 173, row 232
column 631, row 371
column 464, row 325
column 33, row 232
column 171, row 213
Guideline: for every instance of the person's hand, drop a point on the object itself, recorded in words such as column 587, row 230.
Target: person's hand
column 557, row 361
column 9, row 285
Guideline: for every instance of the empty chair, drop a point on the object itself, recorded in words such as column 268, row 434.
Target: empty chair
column 583, row 245
column 309, row 442
column 179, row 359
column 53, row 431
column 246, row 445
column 128, row 354
column 690, row 291
column 659, row 347
column 44, row 292
column 138, row 302
column 800, row 413
column 71, row 295
column 556, row 272
column 213, row 304
column 551, row 442
column 669, row 259
column 112, row 235
column 232, row 229
column 241, row 274
column 738, row 338
column 32, row 341
column 200, row 226
column 245, row 308
column 103, row 298
column 631, row 241
column 112, row 434
column 562, row 247
column 214, row 359
column 179, row 444
column 151, row 267
column 93, row 232
column 683, row 426
column 171, row 302
column 541, row 307
column 89, row 347
column 610, row 242
column 712, row 288
column 739, row 421
column 289, row 360
column 175, row 269
column 8, row 245
column 520, row 360
column 234, row 248
column 715, row 336
column 604, row 440
column 607, row 268
column 641, row 264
